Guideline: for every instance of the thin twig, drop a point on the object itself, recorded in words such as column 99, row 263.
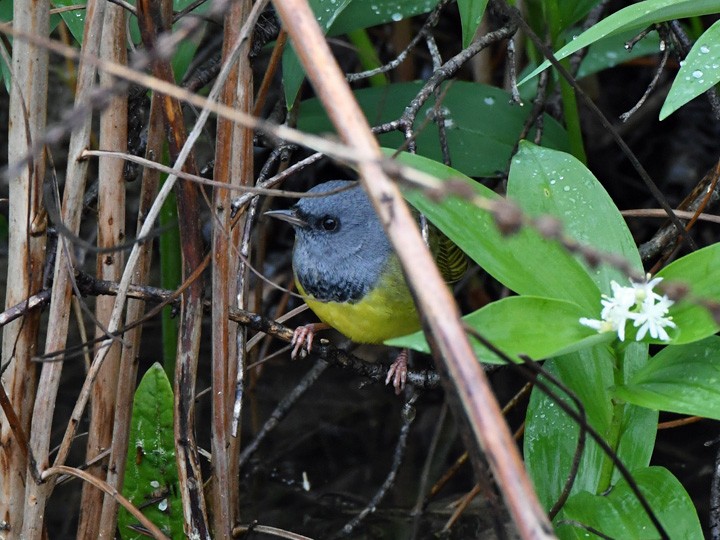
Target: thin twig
column 408, row 415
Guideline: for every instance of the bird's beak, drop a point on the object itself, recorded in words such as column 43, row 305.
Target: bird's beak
column 287, row 215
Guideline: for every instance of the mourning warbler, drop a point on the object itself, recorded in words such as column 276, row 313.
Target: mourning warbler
column 348, row 273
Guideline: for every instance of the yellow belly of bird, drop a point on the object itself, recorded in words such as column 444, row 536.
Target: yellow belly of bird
column 385, row 312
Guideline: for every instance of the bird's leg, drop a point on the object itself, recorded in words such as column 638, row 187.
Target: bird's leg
column 398, row 372
column 302, row 339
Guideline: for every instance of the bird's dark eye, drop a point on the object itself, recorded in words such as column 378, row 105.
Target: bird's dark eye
column 329, row 223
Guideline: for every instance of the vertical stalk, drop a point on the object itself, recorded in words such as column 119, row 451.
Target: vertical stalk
column 615, row 429
column 26, row 245
column 76, row 174
column 572, row 118
column 567, row 93
column 170, row 277
column 224, row 269
column 111, row 232
column 135, row 311
column 189, row 473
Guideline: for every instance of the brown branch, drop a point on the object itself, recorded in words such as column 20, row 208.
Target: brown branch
column 111, row 231
column 152, row 22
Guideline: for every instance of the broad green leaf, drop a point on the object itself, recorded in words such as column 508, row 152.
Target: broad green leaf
column 619, row 514
column 471, row 13
column 546, row 181
column 572, row 12
column 698, row 72
column 523, row 261
column 634, row 17
column 604, row 54
column 151, row 479
column 341, row 16
column 551, row 436
column 680, row 378
column 185, row 51
column 698, row 271
column 75, row 19
column 364, row 14
column 482, row 127
column 326, row 11
column 611, row 52
column 527, row 325
column 6, row 15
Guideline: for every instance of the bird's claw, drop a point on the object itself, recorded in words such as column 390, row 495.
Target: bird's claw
column 302, row 341
column 398, row 372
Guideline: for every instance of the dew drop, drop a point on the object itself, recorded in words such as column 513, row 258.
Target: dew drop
column 489, row 101
column 697, row 73
column 704, row 49
column 397, row 17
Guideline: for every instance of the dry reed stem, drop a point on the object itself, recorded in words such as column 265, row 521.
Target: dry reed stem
column 111, row 232
column 228, row 166
column 135, row 311
column 76, row 174
column 26, row 244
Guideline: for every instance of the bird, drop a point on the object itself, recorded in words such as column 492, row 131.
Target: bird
column 348, row 273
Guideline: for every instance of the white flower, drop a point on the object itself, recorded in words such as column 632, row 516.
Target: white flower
column 645, row 289
column 651, row 318
column 638, row 303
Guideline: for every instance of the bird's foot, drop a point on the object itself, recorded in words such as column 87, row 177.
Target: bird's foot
column 302, row 339
column 398, row 372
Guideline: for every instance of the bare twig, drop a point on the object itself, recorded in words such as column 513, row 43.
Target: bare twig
column 154, row 531
column 408, row 415
column 283, row 408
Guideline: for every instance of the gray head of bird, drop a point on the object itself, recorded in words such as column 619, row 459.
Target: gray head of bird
column 340, row 246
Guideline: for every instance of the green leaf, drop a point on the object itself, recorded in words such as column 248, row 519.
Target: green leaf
column 185, row 51
column 546, row 181
column 680, row 378
column 471, row 13
column 698, row 72
column 611, row 52
column 364, row 14
column 635, row 17
column 482, row 126
column 524, row 261
column 551, row 436
column 75, row 19
column 698, row 271
column 536, row 327
column 341, row 16
column 619, row 514
column 151, row 479
column 572, row 12
column 638, row 424
column 6, row 15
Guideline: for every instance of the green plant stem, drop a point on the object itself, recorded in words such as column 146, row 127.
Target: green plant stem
column 572, row 118
column 367, row 56
column 570, row 107
column 170, row 278
column 615, row 429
